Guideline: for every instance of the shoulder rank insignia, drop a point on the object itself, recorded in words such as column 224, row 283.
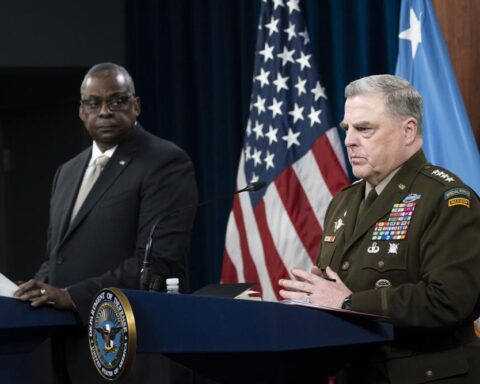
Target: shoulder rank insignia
column 443, row 175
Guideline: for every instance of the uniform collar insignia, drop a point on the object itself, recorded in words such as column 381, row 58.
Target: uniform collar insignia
column 338, row 224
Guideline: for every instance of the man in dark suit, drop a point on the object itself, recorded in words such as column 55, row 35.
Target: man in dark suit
column 401, row 242
column 97, row 234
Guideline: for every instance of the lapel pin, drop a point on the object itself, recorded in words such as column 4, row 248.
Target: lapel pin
column 401, row 186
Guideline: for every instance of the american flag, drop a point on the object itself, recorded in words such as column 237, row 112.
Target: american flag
column 291, row 145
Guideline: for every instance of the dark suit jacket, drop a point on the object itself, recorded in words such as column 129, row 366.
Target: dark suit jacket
column 426, row 280
column 146, row 178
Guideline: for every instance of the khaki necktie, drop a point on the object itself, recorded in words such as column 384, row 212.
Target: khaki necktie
column 91, row 175
column 366, row 203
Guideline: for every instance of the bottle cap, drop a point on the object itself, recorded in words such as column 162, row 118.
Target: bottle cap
column 172, row 280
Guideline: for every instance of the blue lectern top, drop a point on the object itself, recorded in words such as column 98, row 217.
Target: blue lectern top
column 188, row 324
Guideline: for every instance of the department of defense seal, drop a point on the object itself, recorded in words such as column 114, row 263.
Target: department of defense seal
column 112, row 334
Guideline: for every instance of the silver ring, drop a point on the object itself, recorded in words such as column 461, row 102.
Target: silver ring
column 43, row 291
column 308, row 298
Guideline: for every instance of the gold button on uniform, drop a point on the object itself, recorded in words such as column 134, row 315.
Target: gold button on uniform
column 381, row 264
column 429, row 373
column 345, row 266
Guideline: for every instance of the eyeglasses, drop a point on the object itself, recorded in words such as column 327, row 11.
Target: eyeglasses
column 116, row 103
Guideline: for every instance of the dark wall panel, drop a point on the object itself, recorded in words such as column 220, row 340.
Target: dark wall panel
column 56, row 33
column 40, row 129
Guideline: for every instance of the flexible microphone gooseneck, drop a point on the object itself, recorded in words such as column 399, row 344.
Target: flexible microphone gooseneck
column 152, row 282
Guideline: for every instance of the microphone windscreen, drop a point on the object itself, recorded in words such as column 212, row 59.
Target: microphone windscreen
column 257, row 185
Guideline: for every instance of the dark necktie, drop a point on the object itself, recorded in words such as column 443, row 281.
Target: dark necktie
column 366, row 203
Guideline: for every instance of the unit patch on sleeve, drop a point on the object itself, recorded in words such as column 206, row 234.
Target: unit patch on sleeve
column 454, row 192
column 459, row 201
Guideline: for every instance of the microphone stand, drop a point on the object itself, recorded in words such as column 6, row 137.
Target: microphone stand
column 153, row 282
column 149, row 281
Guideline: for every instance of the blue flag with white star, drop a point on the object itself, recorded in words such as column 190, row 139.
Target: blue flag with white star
column 423, row 60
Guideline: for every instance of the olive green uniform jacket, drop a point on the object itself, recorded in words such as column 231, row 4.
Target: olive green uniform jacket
column 425, row 274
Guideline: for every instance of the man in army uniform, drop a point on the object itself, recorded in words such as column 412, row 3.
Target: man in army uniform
column 401, row 242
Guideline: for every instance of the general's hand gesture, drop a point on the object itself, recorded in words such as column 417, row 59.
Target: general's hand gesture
column 325, row 289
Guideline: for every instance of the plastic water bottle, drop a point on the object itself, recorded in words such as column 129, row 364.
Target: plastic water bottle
column 173, row 285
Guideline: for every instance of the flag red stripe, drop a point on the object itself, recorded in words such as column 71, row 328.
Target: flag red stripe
column 229, row 272
column 330, row 167
column 276, row 268
column 300, row 211
column 249, row 269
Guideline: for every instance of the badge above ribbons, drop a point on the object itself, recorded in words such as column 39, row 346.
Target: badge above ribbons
column 112, row 334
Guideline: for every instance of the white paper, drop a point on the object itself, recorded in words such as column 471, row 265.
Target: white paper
column 7, row 287
column 249, row 294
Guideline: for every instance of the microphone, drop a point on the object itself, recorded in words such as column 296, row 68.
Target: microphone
column 252, row 187
column 152, row 282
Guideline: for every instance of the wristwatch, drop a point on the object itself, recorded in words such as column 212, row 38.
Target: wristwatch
column 347, row 303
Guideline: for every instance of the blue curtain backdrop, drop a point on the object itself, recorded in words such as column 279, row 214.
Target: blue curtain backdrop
column 192, row 62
